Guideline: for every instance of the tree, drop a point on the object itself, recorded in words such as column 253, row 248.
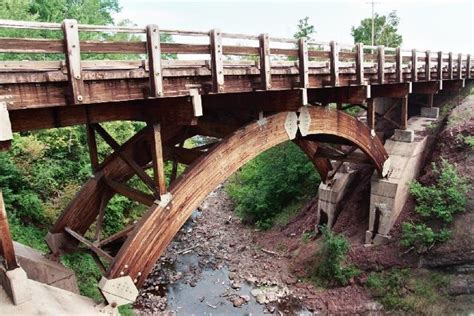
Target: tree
column 305, row 30
column 385, row 29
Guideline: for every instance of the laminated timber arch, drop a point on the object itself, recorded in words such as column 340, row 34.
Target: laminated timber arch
column 162, row 221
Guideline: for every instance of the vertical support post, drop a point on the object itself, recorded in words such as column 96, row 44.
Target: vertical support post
column 459, row 66
column 430, row 100
column 381, row 64
column 428, row 65
column 440, row 65
column 339, row 105
column 6, row 244
column 158, row 163
column 303, row 63
column 153, row 48
column 73, row 61
column 265, row 70
column 468, row 67
column 404, row 116
column 371, row 114
column 217, row 61
column 450, row 66
column 414, row 66
column 398, row 65
column 360, row 63
column 334, row 64
column 92, row 143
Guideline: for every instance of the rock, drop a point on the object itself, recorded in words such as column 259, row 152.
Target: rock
column 192, row 283
column 245, row 297
column 232, row 275
column 238, row 301
column 235, row 285
column 271, row 309
column 256, row 292
column 271, row 296
column 261, row 298
column 462, row 284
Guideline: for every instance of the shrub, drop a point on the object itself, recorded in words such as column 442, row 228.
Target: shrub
column 443, row 199
column 333, row 269
column 422, row 237
column 270, row 182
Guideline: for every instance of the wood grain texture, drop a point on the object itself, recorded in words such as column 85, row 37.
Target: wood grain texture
column 158, row 226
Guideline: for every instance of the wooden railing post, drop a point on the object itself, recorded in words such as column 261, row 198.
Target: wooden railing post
column 468, row 67
column 428, row 66
column 360, row 63
column 154, row 60
column 265, row 70
column 381, row 64
column 6, row 244
column 414, row 66
column 73, row 61
column 398, row 65
column 217, row 61
column 303, row 63
column 459, row 66
column 450, row 66
column 440, row 65
column 334, row 64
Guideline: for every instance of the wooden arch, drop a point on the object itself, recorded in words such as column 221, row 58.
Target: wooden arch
column 159, row 225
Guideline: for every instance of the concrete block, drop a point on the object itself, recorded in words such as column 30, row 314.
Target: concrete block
column 430, row 112
column 407, row 136
column 43, row 270
column 381, row 239
column 16, row 284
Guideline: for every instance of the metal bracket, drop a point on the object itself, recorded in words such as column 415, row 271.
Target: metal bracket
column 165, row 199
column 291, row 124
column 262, row 121
column 196, row 101
column 119, row 291
column 304, row 121
column 386, row 168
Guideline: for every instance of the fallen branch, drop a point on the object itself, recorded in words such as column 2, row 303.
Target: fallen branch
column 185, row 251
column 271, row 252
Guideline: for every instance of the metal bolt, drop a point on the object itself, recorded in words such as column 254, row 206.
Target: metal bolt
column 80, row 98
column 78, row 77
column 122, row 273
column 126, row 266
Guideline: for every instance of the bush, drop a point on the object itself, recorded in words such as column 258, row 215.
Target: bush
column 267, row 184
column 443, row 199
column 333, row 269
column 422, row 237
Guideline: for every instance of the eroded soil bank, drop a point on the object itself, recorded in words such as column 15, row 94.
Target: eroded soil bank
column 216, row 265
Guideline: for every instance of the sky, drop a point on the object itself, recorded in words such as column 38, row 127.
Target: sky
column 435, row 25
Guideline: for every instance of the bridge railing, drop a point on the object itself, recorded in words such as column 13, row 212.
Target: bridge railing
column 299, row 64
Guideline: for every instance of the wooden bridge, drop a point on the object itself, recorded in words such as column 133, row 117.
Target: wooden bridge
column 249, row 93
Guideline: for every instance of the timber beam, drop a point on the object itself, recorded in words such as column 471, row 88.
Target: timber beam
column 349, row 94
column 453, row 85
column 392, row 90
column 426, row 87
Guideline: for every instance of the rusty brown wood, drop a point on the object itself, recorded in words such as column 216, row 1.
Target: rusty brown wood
column 217, row 64
column 371, row 114
column 334, row 68
column 450, row 66
column 303, row 63
column 265, row 67
column 360, row 63
column 459, row 73
column 157, row 159
column 310, row 148
column 6, row 243
column 414, row 66
column 157, row 227
column 381, row 64
column 89, row 245
column 73, row 62
column 404, row 113
column 440, row 65
column 398, row 65
column 154, row 60
column 427, row 65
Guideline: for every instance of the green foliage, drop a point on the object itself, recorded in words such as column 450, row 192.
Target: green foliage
column 304, row 29
column 270, row 182
column 440, row 201
column 386, row 30
column 445, row 198
column 417, row 292
column 87, row 273
column 333, row 269
column 422, row 237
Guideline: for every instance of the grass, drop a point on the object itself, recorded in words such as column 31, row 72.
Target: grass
column 288, row 213
column 410, row 291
